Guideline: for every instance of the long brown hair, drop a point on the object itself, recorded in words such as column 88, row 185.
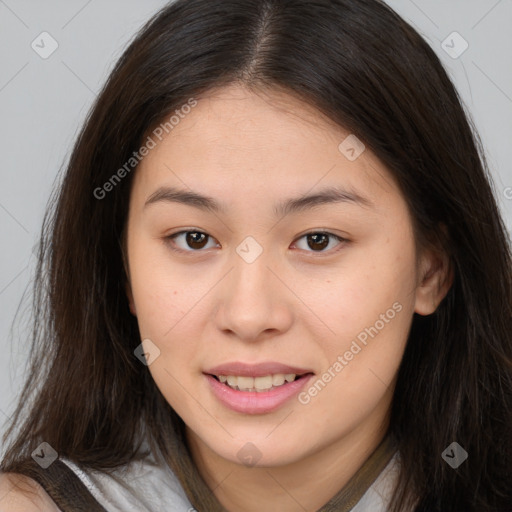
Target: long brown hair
column 363, row 66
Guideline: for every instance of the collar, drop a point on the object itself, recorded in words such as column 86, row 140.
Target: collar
column 346, row 499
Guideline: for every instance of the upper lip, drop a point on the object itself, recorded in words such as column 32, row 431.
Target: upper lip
column 255, row 370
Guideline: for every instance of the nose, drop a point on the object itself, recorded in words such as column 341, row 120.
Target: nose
column 254, row 301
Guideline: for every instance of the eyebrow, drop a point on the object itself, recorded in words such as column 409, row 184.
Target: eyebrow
column 329, row 195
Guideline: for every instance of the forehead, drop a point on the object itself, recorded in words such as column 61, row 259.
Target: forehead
column 238, row 144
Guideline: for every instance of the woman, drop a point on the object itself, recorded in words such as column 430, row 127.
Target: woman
column 275, row 278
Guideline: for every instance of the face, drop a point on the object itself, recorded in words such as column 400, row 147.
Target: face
column 269, row 284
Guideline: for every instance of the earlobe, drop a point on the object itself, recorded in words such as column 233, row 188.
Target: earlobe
column 435, row 280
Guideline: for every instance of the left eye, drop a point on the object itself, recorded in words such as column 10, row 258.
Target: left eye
column 320, row 240
column 196, row 240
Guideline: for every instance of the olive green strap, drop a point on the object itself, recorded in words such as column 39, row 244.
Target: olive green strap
column 62, row 485
column 353, row 491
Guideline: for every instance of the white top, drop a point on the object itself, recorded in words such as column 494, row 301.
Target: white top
column 140, row 486
column 378, row 495
column 145, row 486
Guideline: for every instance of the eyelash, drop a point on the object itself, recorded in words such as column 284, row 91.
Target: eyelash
column 170, row 240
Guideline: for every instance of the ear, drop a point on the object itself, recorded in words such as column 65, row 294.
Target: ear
column 435, row 278
column 129, row 294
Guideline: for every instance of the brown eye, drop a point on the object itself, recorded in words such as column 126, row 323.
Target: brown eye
column 192, row 241
column 195, row 240
column 317, row 241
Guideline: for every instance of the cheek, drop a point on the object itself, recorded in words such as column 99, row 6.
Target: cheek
column 170, row 313
column 165, row 306
column 159, row 289
column 368, row 309
column 360, row 362
column 369, row 281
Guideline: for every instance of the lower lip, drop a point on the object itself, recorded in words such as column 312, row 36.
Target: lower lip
column 254, row 402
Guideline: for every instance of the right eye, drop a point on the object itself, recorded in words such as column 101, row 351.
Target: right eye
column 194, row 239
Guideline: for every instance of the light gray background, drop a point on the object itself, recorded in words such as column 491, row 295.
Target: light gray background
column 43, row 102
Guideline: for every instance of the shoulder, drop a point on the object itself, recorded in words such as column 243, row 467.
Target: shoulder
column 141, row 484
column 19, row 493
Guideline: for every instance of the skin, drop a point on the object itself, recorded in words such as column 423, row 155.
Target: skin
column 297, row 303
column 21, row 494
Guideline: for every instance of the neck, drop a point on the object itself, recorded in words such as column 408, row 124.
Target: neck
column 306, row 484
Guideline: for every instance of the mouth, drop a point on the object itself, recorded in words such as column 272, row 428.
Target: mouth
column 256, row 389
column 260, row 384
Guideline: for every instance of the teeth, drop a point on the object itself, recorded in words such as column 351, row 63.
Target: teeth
column 278, row 379
column 256, row 383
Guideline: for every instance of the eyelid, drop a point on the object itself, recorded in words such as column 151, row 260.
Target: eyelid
column 342, row 240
